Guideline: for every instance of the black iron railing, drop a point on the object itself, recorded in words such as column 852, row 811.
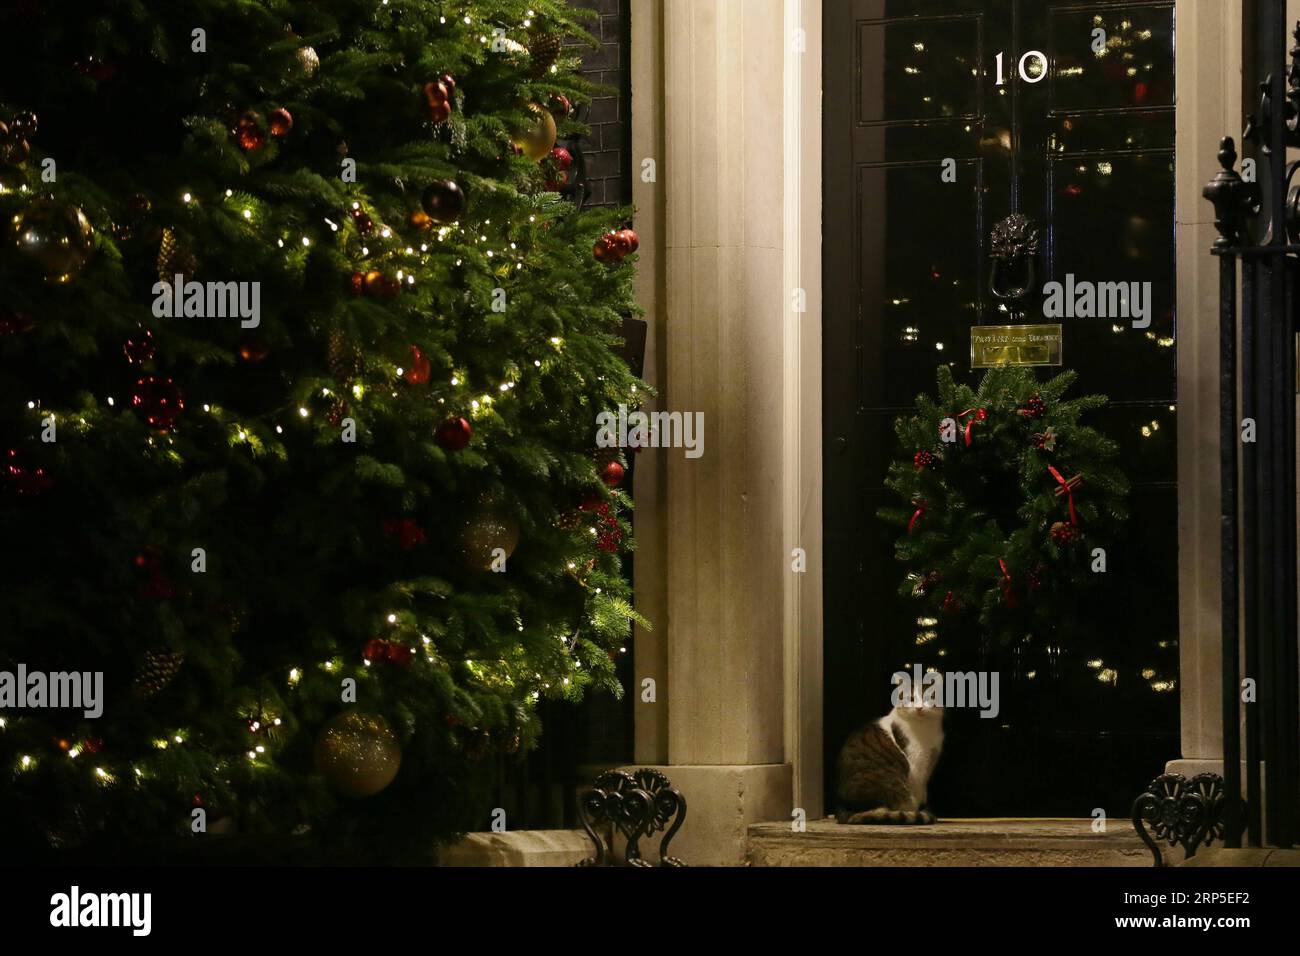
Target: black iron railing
column 1259, row 229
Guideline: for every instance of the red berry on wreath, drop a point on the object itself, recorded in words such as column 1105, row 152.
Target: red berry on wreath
column 1035, row 407
column 611, row 473
column 951, row 603
column 1065, row 534
column 924, row 459
column 454, row 435
column 1045, row 441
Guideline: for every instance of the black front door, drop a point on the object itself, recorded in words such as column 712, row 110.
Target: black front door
column 1079, row 136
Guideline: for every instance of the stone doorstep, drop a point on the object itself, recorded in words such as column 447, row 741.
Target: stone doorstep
column 519, row 848
column 982, row 842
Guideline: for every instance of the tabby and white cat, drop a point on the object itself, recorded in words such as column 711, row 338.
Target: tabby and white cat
column 885, row 767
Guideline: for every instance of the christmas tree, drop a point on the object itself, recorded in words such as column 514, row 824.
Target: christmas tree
column 302, row 354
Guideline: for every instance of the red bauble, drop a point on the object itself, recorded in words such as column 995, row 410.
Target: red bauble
column 611, row 473
column 158, row 401
column 924, row 459
column 139, row 348
column 23, row 478
column 254, row 350
column 361, row 219
column 437, row 96
column 438, row 113
column 627, row 238
column 408, row 533
column 454, row 435
column 281, row 122
column 376, row 649
column 420, row 370
column 560, row 105
column 592, row 501
column 381, row 286
column 159, row 585
column 438, row 102
column 562, row 157
column 604, row 251
column 400, row 654
column 249, row 133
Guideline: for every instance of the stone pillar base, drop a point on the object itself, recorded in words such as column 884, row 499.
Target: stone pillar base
column 721, row 803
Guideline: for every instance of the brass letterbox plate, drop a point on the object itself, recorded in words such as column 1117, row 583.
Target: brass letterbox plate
column 994, row 345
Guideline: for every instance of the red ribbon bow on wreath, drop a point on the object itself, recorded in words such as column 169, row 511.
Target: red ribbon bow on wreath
column 980, row 415
column 920, row 510
column 1066, row 488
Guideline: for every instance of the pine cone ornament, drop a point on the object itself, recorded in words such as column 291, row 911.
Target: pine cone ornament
column 156, row 671
column 174, row 257
column 545, row 50
column 922, row 586
column 344, row 357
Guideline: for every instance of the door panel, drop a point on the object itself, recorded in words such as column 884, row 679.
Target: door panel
column 1087, row 153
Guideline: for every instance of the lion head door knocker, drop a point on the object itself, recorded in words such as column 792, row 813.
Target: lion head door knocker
column 1014, row 279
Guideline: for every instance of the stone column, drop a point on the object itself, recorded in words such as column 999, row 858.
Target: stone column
column 1209, row 108
column 719, row 177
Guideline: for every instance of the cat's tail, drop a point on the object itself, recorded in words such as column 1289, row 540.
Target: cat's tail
column 882, row 817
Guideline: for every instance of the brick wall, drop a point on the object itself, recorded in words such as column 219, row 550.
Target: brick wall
column 608, row 147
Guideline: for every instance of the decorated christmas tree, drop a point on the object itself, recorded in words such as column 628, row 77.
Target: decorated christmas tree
column 1010, row 502
column 302, row 353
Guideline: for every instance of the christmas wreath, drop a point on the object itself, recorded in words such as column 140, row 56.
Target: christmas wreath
column 1007, row 497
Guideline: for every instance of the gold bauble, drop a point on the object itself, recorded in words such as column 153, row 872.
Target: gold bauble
column 358, row 753
column 57, row 237
column 537, row 140
column 308, row 60
column 487, row 533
